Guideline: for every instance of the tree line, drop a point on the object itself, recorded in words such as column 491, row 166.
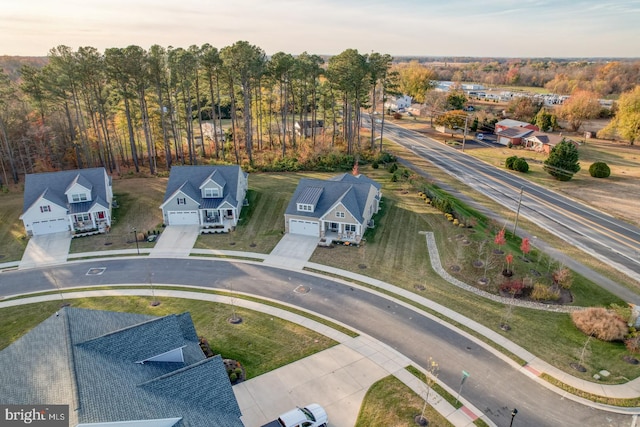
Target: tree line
column 131, row 108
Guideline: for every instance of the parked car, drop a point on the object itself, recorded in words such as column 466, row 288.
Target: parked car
column 312, row 415
column 480, row 136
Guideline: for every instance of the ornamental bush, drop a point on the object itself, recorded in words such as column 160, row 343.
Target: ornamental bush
column 521, row 165
column 603, row 324
column 599, row 170
column 508, row 163
column 542, row 292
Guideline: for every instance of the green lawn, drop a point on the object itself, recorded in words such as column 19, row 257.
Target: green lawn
column 12, row 235
column 261, row 342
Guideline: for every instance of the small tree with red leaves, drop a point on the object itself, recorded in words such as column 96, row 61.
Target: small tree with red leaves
column 500, row 240
column 509, row 259
column 525, row 247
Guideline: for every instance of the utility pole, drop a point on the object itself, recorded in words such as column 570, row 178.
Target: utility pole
column 515, row 223
column 464, row 135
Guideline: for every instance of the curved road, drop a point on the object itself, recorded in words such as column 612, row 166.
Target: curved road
column 612, row 241
column 494, row 386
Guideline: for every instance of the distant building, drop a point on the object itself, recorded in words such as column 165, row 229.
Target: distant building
column 398, row 103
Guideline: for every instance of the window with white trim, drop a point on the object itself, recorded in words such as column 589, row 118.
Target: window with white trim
column 83, row 217
column 305, row 207
column 79, row 197
column 350, row 227
column 211, row 193
column 182, row 200
column 339, row 214
column 45, row 208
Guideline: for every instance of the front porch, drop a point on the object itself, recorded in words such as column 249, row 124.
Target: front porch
column 87, row 224
column 217, row 221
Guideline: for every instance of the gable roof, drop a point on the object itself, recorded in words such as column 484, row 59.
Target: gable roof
column 189, row 180
column 347, row 189
column 511, row 123
column 53, row 186
column 90, row 364
column 515, row 132
column 545, row 138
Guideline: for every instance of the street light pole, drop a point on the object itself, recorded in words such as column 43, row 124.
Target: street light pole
column 464, row 135
column 513, row 415
column 135, row 233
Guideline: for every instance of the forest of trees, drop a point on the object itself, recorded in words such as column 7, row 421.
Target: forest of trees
column 131, row 109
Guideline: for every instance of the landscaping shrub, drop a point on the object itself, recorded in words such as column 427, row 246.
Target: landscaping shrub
column 633, row 344
column 393, row 167
column 599, row 170
column 542, row 292
column 513, row 287
column 603, row 324
column 563, row 278
column 509, row 162
column 521, row 165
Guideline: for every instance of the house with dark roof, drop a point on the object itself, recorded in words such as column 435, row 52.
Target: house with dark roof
column 78, row 201
column 541, row 141
column 209, row 196
column 512, row 135
column 119, row 369
column 339, row 208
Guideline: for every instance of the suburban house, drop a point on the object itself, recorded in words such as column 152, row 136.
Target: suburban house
column 209, row 196
column 541, row 142
column 78, row 201
column 339, row 208
column 510, row 123
column 398, row 103
column 119, row 369
column 512, row 135
column 308, row 128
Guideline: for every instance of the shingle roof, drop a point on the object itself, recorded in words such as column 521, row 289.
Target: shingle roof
column 514, row 132
column 53, row 185
column 189, row 179
column 350, row 190
column 89, row 364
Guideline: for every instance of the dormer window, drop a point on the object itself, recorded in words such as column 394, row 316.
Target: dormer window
column 80, row 197
column 210, row 193
column 303, row 207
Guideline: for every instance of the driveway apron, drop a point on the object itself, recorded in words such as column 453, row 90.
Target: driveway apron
column 176, row 241
column 46, row 249
column 293, row 251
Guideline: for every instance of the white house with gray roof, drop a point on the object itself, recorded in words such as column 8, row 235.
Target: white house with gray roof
column 121, row 370
column 78, row 201
column 340, row 208
column 209, row 196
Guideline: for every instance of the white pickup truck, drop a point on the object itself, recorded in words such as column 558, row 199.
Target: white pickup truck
column 312, row 415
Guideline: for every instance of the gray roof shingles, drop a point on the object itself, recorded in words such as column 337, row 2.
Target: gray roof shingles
column 96, row 372
column 352, row 191
column 54, row 185
column 190, row 178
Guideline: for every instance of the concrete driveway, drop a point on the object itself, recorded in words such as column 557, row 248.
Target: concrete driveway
column 293, row 251
column 176, row 241
column 46, row 249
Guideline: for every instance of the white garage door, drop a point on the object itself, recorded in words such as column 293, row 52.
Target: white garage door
column 307, row 228
column 51, row 226
column 183, row 218
column 504, row 141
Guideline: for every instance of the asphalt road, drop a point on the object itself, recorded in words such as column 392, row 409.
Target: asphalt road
column 494, row 386
column 612, row 241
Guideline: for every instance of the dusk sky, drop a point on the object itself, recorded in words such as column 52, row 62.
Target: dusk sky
column 494, row 28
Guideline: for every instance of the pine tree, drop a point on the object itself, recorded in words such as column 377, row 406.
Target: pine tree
column 562, row 162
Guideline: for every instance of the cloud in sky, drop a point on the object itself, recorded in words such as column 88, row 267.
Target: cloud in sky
column 497, row 28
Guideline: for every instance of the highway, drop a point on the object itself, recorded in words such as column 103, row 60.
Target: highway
column 494, row 386
column 610, row 240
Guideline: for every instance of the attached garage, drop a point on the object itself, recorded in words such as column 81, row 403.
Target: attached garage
column 184, row 218
column 57, row 225
column 304, row 227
